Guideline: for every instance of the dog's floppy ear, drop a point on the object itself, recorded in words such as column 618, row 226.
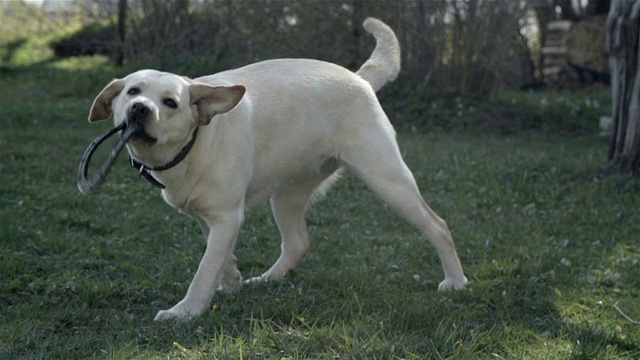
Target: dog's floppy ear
column 101, row 108
column 212, row 100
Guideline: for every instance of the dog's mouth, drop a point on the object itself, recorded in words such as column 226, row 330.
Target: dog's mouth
column 142, row 135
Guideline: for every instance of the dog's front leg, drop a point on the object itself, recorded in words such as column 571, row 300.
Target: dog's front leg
column 223, row 231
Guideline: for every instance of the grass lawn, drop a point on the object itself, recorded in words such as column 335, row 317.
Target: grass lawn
column 552, row 251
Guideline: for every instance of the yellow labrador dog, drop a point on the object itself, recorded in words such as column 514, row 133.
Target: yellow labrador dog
column 278, row 130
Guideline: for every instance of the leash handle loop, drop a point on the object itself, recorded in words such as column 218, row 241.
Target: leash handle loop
column 87, row 185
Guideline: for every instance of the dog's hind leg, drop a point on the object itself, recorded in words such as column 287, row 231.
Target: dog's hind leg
column 377, row 160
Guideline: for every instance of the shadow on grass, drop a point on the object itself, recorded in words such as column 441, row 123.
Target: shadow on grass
column 9, row 52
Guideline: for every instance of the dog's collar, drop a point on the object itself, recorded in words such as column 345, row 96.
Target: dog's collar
column 144, row 169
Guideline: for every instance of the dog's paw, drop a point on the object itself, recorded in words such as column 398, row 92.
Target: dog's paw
column 256, row 280
column 453, row 284
column 229, row 287
column 268, row 276
column 231, row 281
column 178, row 312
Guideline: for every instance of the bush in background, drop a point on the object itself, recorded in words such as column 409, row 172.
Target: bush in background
column 439, row 88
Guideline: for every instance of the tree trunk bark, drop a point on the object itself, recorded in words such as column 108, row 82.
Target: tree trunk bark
column 623, row 43
column 122, row 19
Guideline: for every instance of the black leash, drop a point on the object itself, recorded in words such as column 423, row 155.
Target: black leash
column 87, row 186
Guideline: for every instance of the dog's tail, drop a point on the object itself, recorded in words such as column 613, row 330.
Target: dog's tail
column 384, row 64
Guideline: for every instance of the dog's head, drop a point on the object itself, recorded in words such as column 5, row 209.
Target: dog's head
column 167, row 106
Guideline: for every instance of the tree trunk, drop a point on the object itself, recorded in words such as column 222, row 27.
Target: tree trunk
column 122, row 19
column 356, row 33
column 597, row 7
column 623, row 43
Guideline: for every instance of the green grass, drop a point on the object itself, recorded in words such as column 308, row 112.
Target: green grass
column 549, row 248
column 509, row 113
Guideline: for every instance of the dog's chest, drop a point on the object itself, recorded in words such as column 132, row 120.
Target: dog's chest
column 178, row 201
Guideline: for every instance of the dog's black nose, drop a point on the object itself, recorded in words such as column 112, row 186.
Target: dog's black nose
column 138, row 111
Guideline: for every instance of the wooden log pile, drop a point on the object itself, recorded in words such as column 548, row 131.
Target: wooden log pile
column 574, row 54
column 554, row 52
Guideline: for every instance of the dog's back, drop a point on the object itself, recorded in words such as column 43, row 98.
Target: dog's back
column 307, row 107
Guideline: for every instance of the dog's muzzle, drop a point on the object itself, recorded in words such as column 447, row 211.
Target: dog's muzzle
column 137, row 116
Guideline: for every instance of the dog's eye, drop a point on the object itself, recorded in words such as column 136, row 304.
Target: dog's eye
column 170, row 103
column 133, row 91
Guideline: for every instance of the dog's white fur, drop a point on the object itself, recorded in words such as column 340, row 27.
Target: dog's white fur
column 278, row 130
